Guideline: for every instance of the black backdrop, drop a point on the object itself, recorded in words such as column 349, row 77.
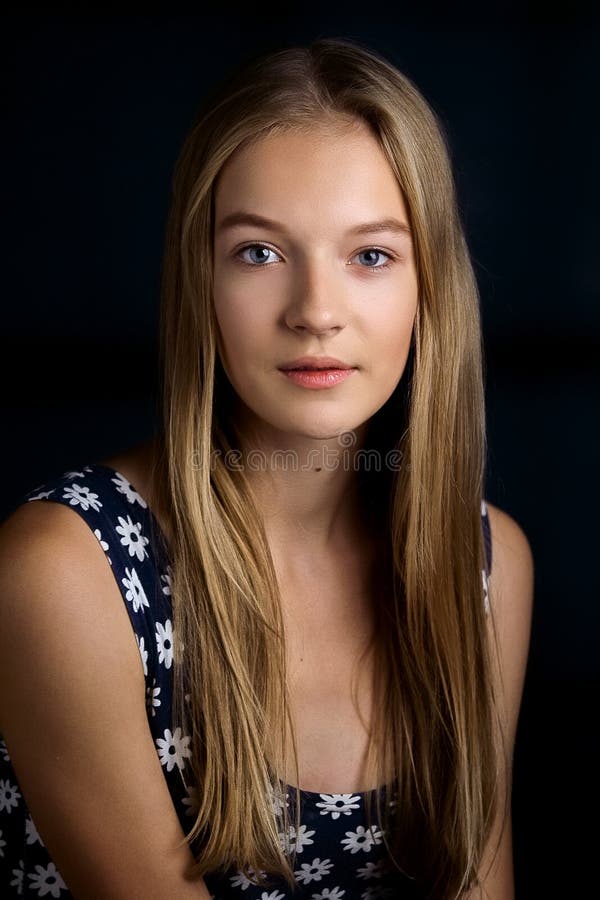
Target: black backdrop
column 96, row 108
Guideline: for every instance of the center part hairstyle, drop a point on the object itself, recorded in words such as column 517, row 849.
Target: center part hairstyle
column 436, row 721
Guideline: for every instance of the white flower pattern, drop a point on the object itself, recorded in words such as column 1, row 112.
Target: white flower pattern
column 143, row 653
column 124, row 487
column 336, row 856
column 362, row 839
column 338, row 804
column 297, row 839
column 152, row 700
column 371, row 870
column 173, row 749
column 242, row 881
column 164, row 643
column 166, row 582
column 313, row 871
column 47, row 881
column 278, row 801
column 9, row 796
column 135, row 592
column 43, row 495
column 18, row 875
column 486, row 594
column 102, row 543
column 31, row 832
column 132, row 537
column 80, row 495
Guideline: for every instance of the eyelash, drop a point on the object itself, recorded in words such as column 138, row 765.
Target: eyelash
column 387, row 265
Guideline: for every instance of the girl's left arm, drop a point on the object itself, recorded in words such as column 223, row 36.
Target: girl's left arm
column 511, row 599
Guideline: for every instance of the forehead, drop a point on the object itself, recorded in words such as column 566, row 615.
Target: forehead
column 324, row 168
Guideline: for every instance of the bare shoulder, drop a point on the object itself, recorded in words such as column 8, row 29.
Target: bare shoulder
column 43, row 545
column 511, row 587
column 72, row 697
column 512, row 556
column 512, row 576
column 39, row 522
column 38, row 532
column 57, row 589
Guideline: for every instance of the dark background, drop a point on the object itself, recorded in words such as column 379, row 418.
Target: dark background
column 96, row 109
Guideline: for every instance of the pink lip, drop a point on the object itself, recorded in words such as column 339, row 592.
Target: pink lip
column 315, row 362
column 317, row 379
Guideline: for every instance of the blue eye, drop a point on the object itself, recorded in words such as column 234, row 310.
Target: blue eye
column 261, row 247
column 375, row 250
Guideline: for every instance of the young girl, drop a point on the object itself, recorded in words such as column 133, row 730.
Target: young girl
column 265, row 654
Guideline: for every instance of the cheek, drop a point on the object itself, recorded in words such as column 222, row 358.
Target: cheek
column 393, row 333
column 243, row 324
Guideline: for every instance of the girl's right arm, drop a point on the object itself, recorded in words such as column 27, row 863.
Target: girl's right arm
column 73, row 714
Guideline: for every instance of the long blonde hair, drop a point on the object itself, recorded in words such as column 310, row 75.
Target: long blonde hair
column 435, row 715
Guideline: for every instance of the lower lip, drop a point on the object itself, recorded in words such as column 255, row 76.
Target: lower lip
column 317, row 379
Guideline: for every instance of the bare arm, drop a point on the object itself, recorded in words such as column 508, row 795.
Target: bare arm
column 72, row 709
column 511, row 599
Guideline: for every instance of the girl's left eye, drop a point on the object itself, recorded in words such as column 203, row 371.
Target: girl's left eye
column 379, row 252
column 262, row 247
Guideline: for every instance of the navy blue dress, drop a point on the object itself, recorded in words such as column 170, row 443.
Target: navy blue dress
column 338, row 856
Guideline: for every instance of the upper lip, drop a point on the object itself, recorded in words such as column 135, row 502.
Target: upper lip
column 315, row 362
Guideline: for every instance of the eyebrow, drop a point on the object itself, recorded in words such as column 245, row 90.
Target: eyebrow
column 236, row 219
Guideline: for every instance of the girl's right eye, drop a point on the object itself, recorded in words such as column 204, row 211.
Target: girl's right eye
column 256, row 263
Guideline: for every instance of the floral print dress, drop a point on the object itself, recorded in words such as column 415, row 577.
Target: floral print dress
column 337, row 854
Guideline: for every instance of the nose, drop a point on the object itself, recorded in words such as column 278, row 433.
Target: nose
column 316, row 304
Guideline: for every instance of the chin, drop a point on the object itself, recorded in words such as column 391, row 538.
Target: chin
column 306, row 422
column 323, row 429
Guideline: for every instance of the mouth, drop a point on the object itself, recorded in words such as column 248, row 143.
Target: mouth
column 315, row 364
column 317, row 378
column 316, row 369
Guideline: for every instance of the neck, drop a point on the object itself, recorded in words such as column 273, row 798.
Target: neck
column 307, row 489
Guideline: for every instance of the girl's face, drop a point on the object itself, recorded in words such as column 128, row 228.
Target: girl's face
column 320, row 278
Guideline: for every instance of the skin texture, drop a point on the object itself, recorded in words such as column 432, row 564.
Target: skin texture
column 316, row 293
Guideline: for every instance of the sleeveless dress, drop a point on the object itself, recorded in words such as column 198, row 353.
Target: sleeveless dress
column 338, row 855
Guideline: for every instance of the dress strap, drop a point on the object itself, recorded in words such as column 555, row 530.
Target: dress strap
column 487, row 537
